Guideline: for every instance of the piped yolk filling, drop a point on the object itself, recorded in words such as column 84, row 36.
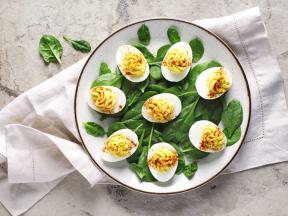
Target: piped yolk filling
column 119, row 145
column 177, row 60
column 218, row 83
column 163, row 159
column 133, row 64
column 104, row 99
column 159, row 110
column 212, row 139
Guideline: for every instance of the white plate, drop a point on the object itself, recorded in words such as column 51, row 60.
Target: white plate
column 215, row 49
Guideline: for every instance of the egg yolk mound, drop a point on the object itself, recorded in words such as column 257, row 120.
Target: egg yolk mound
column 119, row 145
column 218, row 83
column 104, row 99
column 133, row 64
column 177, row 60
column 159, row 110
column 212, row 139
column 163, row 159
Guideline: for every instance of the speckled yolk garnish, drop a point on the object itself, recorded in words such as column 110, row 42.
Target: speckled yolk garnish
column 163, row 159
column 133, row 64
column 218, row 83
column 212, row 139
column 119, row 145
column 104, row 99
column 160, row 110
column 177, row 60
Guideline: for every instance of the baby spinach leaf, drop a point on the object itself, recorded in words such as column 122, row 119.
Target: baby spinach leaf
column 143, row 85
column 109, row 79
column 232, row 116
column 114, row 127
column 234, row 137
column 80, row 45
column 94, row 129
column 132, row 97
column 127, row 86
column 135, row 157
column 162, row 52
column 190, row 170
column 155, row 73
column 144, row 50
column 104, row 69
column 173, row 35
column 181, row 159
column 50, row 49
column 209, row 110
column 156, row 87
column 173, row 90
column 191, row 152
column 182, row 124
column 197, row 70
column 197, row 49
column 144, row 34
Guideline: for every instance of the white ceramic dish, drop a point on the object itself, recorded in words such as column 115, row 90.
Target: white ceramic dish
column 215, row 49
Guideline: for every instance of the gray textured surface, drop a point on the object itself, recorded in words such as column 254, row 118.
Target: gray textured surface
column 262, row 191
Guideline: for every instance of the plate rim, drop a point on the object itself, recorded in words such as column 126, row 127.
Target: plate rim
column 177, row 20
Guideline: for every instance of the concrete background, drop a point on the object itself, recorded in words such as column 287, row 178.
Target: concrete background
column 262, row 191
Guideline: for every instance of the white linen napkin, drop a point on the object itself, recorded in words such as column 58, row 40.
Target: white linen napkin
column 40, row 145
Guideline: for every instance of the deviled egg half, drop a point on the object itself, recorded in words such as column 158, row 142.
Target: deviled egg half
column 161, row 108
column 207, row 137
column 213, row 82
column 120, row 145
column 162, row 161
column 132, row 63
column 177, row 62
column 106, row 99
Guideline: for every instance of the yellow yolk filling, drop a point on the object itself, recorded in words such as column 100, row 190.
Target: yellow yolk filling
column 133, row 64
column 119, row 145
column 163, row 159
column 212, row 139
column 104, row 99
column 177, row 60
column 159, row 110
column 218, row 83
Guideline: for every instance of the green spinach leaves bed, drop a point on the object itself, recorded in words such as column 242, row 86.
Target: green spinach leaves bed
column 194, row 107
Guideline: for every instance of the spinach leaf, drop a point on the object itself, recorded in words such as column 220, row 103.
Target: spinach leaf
column 144, row 50
column 115, row 126
column 104, row 69
column 173, row 35
column 197, row 49
column 209, row 110
column 162, row 52
column 191, row 152
column 135, row 157
column 181, row 159
column 50, row 49
column 232, row 117
column 155, row 73
column 234, row 137
column 141, row 168
column 109, row 79
column 80, row 45
column 144, row 34
column 94, row 129
column 197, row 70
column 182, row 124
column 127, row 86
column 190, row 170
column 173, row 90
column 143, row 85
column 156, row 87
column 132, row 97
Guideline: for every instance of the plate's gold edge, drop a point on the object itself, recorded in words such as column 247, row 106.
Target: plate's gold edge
column 177, row 20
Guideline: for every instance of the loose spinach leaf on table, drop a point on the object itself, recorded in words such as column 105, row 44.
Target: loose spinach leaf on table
column 173, row 35
column 94, row 129
column 232, row 116
column 80, row 45
column 108, row 79
column 50, row 49
column 104, row 69
column 197, row 49
column 190, row 170
column 144, row 34
column 234, row 137
column 197, row 70
column 144, row 50
column 155, row 73
column 161, row 52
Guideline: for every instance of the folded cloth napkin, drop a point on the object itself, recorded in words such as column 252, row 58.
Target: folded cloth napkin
column 39, row 144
